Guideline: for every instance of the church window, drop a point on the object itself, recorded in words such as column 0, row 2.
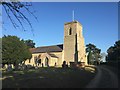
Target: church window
column 70, row 31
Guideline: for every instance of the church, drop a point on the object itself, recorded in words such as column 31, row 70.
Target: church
column 71, row 51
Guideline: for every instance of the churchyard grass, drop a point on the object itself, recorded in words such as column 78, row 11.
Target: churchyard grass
column 48, row 78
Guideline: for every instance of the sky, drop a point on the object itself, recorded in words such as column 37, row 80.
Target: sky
column 99, row 21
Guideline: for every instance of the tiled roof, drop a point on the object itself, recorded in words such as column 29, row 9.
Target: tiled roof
column 53, row 48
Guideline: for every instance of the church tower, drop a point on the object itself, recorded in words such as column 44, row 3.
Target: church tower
column 74, row 48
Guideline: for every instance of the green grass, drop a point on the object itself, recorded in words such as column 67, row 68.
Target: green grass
column 47, row 77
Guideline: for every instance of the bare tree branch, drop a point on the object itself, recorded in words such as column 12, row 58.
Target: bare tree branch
column 14, row 8
column 16, row 17
column 10, row 17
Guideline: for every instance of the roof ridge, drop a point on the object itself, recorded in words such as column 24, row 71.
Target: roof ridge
column 49, row 46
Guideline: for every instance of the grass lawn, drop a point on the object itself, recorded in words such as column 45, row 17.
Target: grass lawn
column 48, row 78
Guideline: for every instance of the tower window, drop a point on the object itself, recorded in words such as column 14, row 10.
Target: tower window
column 70, row 31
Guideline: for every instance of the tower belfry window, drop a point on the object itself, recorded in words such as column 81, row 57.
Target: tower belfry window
column 70, row 31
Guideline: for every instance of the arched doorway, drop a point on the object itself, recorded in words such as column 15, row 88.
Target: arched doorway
column 47, row 62
column 39, row 62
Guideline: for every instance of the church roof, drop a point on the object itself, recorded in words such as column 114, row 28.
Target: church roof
column 53, row 48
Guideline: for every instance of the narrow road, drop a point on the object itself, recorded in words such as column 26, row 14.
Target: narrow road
column 104, row 78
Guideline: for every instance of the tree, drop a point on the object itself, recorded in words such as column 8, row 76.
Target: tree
column 97, row 55
column 0, row 50
column 14, row 50
column 114, row 52
column 29, row 43
column 93, row 54
column 89, row 50
column 13, row 9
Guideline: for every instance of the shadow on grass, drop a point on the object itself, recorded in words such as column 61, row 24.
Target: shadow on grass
column 47, row 78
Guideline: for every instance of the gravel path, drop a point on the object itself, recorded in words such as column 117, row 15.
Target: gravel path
column 105, row 78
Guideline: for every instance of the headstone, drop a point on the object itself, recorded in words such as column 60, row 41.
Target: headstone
column 9, row 67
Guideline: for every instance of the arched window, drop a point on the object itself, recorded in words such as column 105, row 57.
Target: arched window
column 70, row 31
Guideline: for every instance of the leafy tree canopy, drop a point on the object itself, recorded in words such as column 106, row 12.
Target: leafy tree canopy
column 14, row 50
column 114, row 52
column 29, row 43
column 93, row 53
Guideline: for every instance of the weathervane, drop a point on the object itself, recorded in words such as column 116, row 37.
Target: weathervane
column 73, row 15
